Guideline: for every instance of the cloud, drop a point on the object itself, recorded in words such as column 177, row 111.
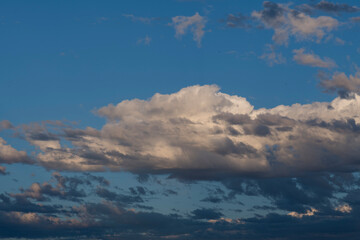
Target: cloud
column 145, row 20
column 195, row 23
column 10, row 155
column 335, row 7
column 341, row 83
column 2, row 170
column 345, row 208
column 312, row 60
column 202, row 133
column 237, row 21
column 96, row 220
column 287, row 22
column 146, row 40
column 120, row 199
column 272, row 57
column 355, row 19
column 310, row 212
column 206, row 213
column 5, row 124
column 66, row 188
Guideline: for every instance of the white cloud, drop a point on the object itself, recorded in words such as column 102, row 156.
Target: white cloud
column 312, row 60
column 196, row 23
column 206, row 132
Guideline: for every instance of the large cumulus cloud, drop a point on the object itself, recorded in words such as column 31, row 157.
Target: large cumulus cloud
column 200, row 132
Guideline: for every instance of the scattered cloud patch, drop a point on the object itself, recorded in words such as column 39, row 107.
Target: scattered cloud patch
column 146, row 40
column 237, row 21
column 272, row 57
column 342, row 84
column 310, row 212
column 195, row 23
column 345, row 208
column 146, row 20
column 311, row 59
column 10, row 155
column 287, row 22
column 2, row 170
column 335, row 7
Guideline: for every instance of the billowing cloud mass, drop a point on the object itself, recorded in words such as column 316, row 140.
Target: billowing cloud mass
column 195, row 23
column 288, row 22
column 312, row 60
column 200, row 132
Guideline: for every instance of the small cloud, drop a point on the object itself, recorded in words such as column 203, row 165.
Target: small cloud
column 134, row 18
column 311, row 59
column 345, row 208
column 341, row 84
column 355, row 19
column 335, row 7
column 237, row 21
column 5, row 124
column 146, row 40
column 339, row 41
column 3, row 170
column 272, row 57
column 196, row 23
column 102, row 19
column 310, row 212
column 287, row 22
column 227, row 220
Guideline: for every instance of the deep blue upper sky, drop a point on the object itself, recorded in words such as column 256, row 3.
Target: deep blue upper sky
column 61, row 59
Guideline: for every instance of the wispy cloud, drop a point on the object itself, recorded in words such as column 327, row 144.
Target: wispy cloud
column 312, row 60
column 195, row 23
column 146, row 40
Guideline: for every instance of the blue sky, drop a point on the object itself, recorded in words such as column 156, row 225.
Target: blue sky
column 227, row 115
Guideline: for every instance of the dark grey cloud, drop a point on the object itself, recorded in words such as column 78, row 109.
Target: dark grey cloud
column 107, row 221
column 120, row 199
column 297, row 194
column 335, row 7
column 19, row 204
column 206, row 213
column 62, row 187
